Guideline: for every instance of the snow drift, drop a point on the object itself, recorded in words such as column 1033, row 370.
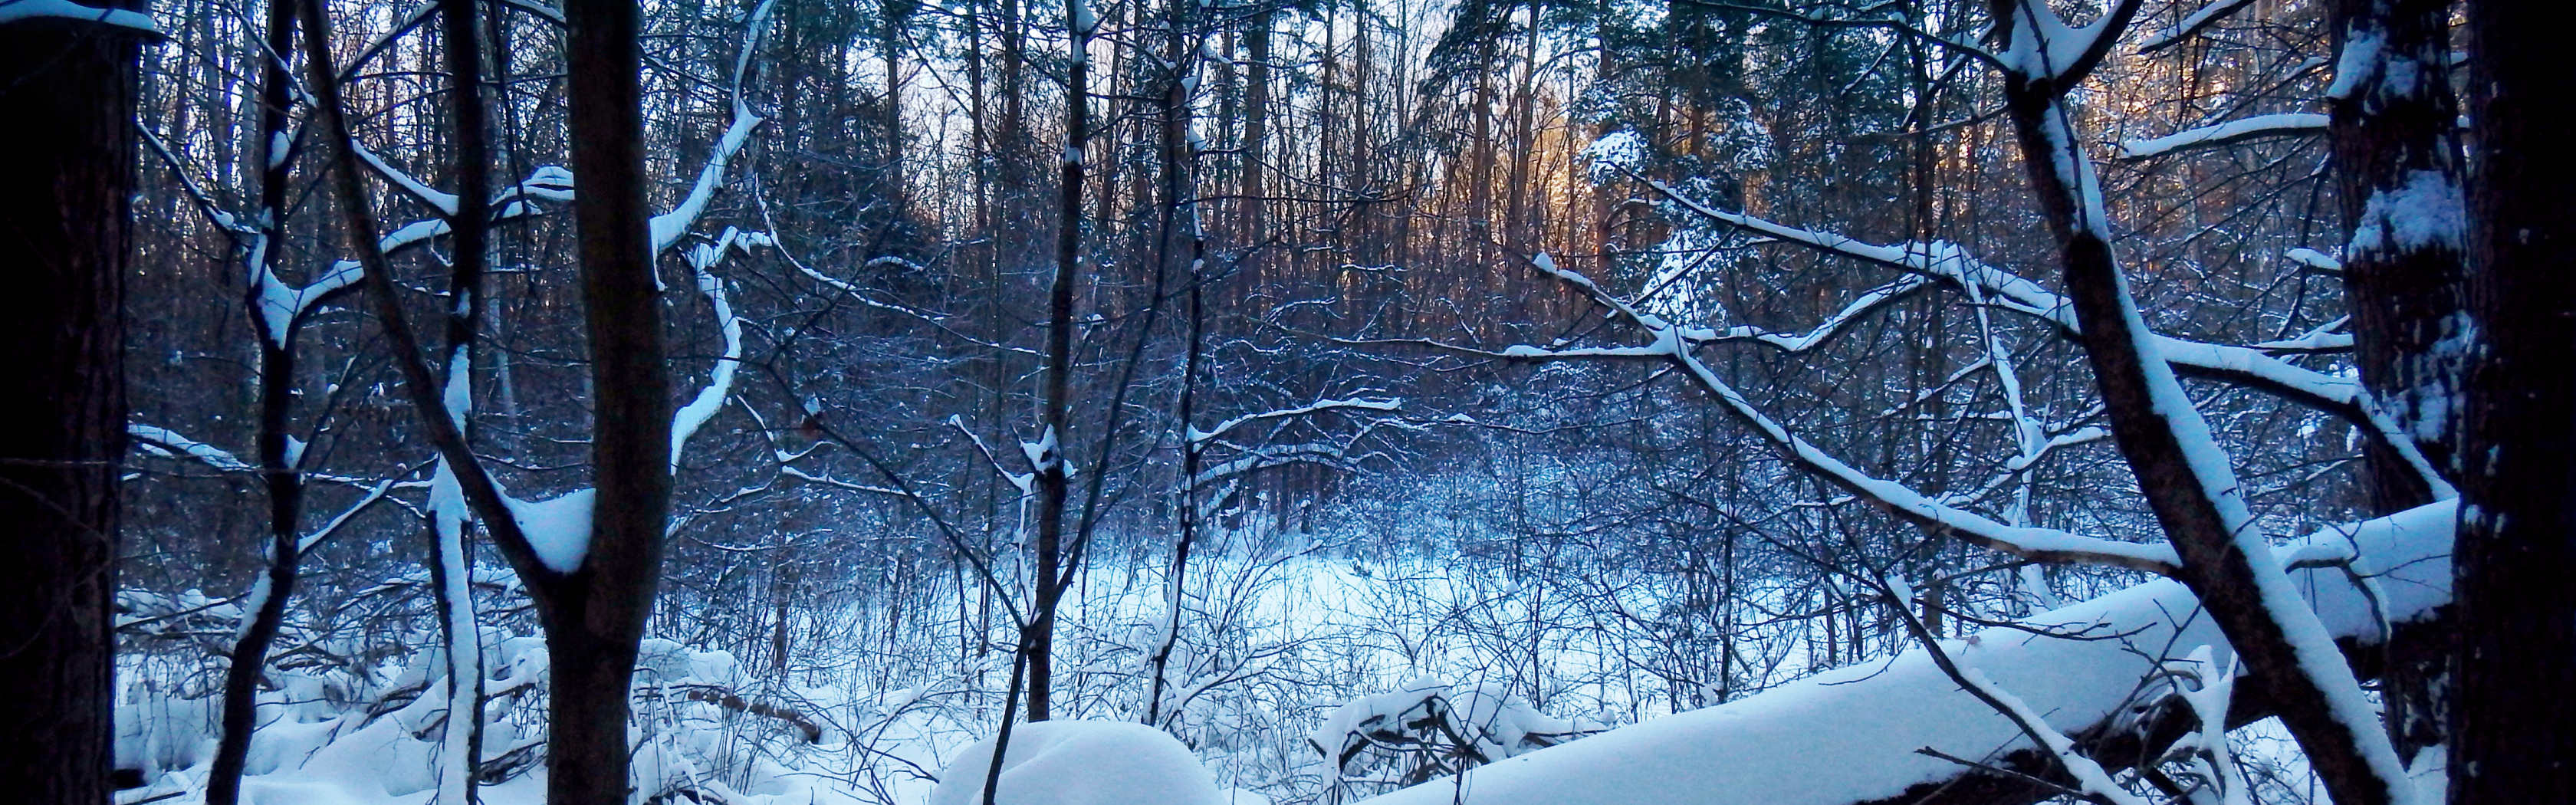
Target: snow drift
column 1082, row 763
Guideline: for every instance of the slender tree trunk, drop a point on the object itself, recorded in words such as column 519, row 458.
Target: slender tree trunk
column 451, row 571
column 2513, row 722
column 1256, row 134
column 1516, row 213
column 69, row 88
column 1183, row 242
column 1053, row 486
column 596, row 615
column 279, row 478
column 891, row 17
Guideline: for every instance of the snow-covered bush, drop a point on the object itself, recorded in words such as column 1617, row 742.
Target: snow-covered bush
column 1427, row 729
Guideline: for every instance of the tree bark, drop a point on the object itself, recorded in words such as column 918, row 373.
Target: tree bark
column 69, row 87
column 2513, row 723
column 279, row 479
column 595, row 614
column 1054, row 489
column 2394, row 130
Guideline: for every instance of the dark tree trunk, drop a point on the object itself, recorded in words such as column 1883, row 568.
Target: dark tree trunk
column 2392, row 133
column 285, row 488
column 2215, row 565
column 2513, row 721
column 1256, row 133
column 595, row 613
column 68, row 86
column 451, row 570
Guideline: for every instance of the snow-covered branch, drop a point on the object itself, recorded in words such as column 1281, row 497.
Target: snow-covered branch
column 2210, row 14
column 2252, row 367
column 1849, row 735
column 2259, row 127
column 1358, row 403
column 169, row 443
column 1668, row 343
column 686, row 421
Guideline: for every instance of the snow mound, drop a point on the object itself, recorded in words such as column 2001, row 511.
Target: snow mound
column 1082, row 763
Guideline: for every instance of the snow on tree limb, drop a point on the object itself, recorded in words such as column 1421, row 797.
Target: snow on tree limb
column 169, row 442
column 1359, row 403
column 15, row 10
column 2252, row 367
column 2190, row 26
column 1669, row 344
column 686, row 421
column 2259, row 127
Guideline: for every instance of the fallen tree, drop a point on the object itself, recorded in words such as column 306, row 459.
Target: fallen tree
column 1859, row 734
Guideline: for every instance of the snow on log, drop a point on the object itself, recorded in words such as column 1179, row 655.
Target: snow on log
column 1082, row 763
column 1850, row 735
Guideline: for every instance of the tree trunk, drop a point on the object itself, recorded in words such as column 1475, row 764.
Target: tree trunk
column 279, row 479
column 2513, row 722
column 2190, row 493
column 451, row 571
column 595, row 614
column 1054, row 489
column 2392, row 133
column 69, row 87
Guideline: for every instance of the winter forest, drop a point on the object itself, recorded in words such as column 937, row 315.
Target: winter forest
column 1202, row 402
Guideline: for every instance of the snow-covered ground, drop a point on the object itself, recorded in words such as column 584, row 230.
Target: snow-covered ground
column 1285, row 658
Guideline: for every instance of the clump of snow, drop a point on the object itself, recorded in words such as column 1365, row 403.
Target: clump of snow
column 558, row 529
column 2428, row 210
column 1614, row 153
column 2361, row 56
column 1082, row 763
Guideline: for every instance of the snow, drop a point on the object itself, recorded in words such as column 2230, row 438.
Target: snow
column 2361, row 52
column 1616, row 152
column 2204, row 16
column 2043, row 45
column 686, row 421
column 1041, row 453
column 669, row 226
column 164, row 440
column 558, row 529
column 445, row 202
column 2427, row 211
column 1498, row 725
column 15, row 10
column 1081, row 763
column 1849, row 734
column 2280, row 125
column 1360, row 403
